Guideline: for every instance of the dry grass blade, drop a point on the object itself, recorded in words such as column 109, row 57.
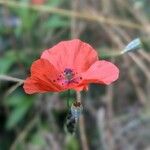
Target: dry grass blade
column 141, row 65
column 13, row 88
column 145, row 55
column 24, row 133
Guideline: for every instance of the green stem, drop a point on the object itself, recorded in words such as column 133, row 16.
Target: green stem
column 68, row 99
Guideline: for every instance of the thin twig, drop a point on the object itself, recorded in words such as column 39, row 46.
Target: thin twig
column 9, row 78
column 145, row 55
column 134, row 79
column 24, row 133
column 140, row 64
column 13, row 88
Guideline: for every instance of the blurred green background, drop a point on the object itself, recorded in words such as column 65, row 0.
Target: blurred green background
column 116, row 117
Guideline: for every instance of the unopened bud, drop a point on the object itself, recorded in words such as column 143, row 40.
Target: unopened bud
column 132, row 46
column 76, row 110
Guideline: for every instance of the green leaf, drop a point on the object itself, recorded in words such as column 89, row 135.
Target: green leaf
column 15, row 116
column 5, row 64
column 28, row 18
column 37, row 139
column 55, row 22
column 16, row 99
column 7, row 61
column 72, row 143
column 21, row 104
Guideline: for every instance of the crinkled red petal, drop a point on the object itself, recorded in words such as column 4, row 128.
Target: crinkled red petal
column 42, row 75
column 73, row 54
column 102, row 72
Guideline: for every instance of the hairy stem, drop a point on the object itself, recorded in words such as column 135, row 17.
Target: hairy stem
column 82, row 127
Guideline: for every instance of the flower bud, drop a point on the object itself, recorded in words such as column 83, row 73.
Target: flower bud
column 76, row 110
column 132, row 46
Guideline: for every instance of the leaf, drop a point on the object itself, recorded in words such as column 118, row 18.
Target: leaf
column 72, row 143
column 15, row 116
column 28, row 18
column 7, row 61
column 15, row 99
column 21, row 104
column 4, row 65
column 37, row 139
column 55, row 22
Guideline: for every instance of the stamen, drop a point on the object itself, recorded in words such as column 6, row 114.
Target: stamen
column 67, row 77
column 80, row 78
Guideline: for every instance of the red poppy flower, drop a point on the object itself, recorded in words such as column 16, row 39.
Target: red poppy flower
column 69, row 65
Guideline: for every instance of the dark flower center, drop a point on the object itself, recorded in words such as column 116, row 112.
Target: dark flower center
column 68, row 73
column 67, row 77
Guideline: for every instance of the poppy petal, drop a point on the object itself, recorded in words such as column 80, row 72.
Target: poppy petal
column 32, row 86
column 41, row 80
column 102, row 72
column 73, row 54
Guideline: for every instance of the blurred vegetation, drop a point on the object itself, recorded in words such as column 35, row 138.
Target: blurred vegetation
column 116, row 117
